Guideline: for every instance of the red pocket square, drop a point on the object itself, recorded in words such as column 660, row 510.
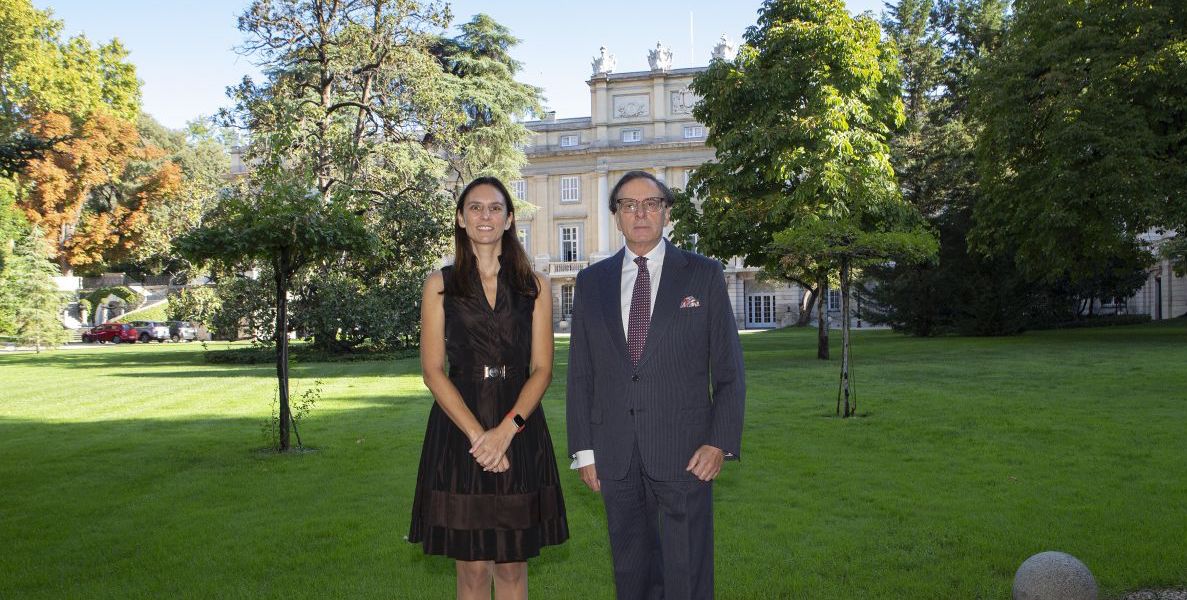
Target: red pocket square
column 690, row 302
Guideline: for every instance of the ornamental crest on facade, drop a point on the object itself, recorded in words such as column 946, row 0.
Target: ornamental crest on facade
column 629, row 107
column 603, row 64
column 660, row 59
column 682, row 101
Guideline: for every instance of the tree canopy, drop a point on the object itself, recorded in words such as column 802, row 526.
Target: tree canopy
column 799, row 121
column 41, row 73
column 1083, row 149
column 365, row 118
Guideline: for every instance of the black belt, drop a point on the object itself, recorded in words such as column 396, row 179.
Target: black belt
column 487, row 371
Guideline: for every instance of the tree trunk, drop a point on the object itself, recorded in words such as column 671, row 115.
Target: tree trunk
column 822, row 322
column 282, row 345
column 844, row 393
column 806, row 307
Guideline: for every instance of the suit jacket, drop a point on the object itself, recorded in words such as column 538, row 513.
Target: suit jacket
column 689, row 388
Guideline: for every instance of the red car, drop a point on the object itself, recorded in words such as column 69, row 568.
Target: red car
column 111, row 332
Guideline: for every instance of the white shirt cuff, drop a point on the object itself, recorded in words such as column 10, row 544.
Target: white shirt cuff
column 583, row 458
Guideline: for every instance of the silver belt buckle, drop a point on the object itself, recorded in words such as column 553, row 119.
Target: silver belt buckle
column 489, row 372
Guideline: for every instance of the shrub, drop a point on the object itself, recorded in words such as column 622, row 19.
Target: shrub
column 245, row 304
column 195, row 304
column 1097, row 321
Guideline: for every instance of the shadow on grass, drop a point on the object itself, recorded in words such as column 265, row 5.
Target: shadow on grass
column 129, row 363
column 124, row 356
column 206, row 371
column 148, row 506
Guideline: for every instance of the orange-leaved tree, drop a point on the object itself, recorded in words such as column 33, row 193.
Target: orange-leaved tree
column 91, row 192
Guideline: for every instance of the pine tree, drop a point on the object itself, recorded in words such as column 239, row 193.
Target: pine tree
column 29, row 298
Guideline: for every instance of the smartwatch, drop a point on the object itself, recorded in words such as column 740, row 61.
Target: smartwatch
column 520, row 423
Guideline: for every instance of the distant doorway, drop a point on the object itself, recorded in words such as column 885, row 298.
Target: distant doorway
column 1157, row 298
column 760, row 311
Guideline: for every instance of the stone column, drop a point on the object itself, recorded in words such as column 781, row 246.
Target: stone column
column 603, row 208
column 542, row 225
column 660, row 173
column 599, row 110
column 1168, row 290
column 659, row 104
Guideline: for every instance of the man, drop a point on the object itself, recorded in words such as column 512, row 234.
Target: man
column 655, row 397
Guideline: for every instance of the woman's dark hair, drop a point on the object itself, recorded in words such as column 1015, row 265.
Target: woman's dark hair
column 465, row 264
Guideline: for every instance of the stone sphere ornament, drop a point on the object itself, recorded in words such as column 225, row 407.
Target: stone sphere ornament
column 1054, row 576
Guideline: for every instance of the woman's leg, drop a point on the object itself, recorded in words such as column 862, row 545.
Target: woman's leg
column 474, row 579
column 511, row 581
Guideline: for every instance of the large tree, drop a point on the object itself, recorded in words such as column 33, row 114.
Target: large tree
column 368, row 108
column 484, row 85
column 337, row 130
column 799, row 121
column 92, row 191
column 202, row 161
column 371, row 297
column 942, row 45
column 40, row 72
column 1083, row 149
column 66, row 106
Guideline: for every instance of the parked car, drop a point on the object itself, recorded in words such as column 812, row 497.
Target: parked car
column 182, row 331
column 151, row 330
column 111, row 332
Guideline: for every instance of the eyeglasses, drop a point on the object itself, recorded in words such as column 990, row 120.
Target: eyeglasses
column 651, row 205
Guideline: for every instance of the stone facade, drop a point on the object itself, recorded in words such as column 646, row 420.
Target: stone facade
column 638, row 121
column 1164, row 296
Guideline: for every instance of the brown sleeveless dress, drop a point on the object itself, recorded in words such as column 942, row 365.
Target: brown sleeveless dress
column 459, row 510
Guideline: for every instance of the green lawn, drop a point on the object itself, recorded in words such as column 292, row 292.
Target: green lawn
column 135, row 471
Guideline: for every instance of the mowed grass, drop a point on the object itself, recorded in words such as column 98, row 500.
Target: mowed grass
column 136, row 472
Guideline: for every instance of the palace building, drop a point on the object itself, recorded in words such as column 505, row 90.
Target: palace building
column 638, row 121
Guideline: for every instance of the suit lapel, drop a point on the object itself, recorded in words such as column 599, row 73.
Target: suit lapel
column 672, row 281
column 610, row 287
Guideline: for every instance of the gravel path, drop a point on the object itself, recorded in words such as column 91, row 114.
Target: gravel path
column 1156, row 595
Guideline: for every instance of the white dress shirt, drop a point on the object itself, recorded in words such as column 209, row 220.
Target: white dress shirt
column 630, row 272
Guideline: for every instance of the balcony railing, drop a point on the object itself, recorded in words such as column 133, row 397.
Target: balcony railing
column 566, row 268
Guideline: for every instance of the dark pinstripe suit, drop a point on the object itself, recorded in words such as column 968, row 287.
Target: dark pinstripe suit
column 644, row 423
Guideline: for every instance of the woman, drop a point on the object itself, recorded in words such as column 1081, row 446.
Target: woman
column 488, row 492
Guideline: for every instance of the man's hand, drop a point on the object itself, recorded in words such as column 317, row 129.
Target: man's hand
column 589, row 474
column 705, row 463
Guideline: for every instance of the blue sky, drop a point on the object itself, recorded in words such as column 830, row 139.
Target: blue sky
column 184, row 50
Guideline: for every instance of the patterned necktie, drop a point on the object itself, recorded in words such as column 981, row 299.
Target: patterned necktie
column 640, row 316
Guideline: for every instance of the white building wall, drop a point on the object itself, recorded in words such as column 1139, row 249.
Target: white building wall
column 1164, row 295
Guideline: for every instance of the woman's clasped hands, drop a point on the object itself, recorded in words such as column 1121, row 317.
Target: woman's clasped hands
column 490, row 448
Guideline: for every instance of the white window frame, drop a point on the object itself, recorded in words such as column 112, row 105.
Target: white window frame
column 694, row 132
column 570, row 141
column 575, row 240
column 760, row 310
column 519, row 189
column 571, row 189
column 568, row 292
column 632, row 136
column 834, row 299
